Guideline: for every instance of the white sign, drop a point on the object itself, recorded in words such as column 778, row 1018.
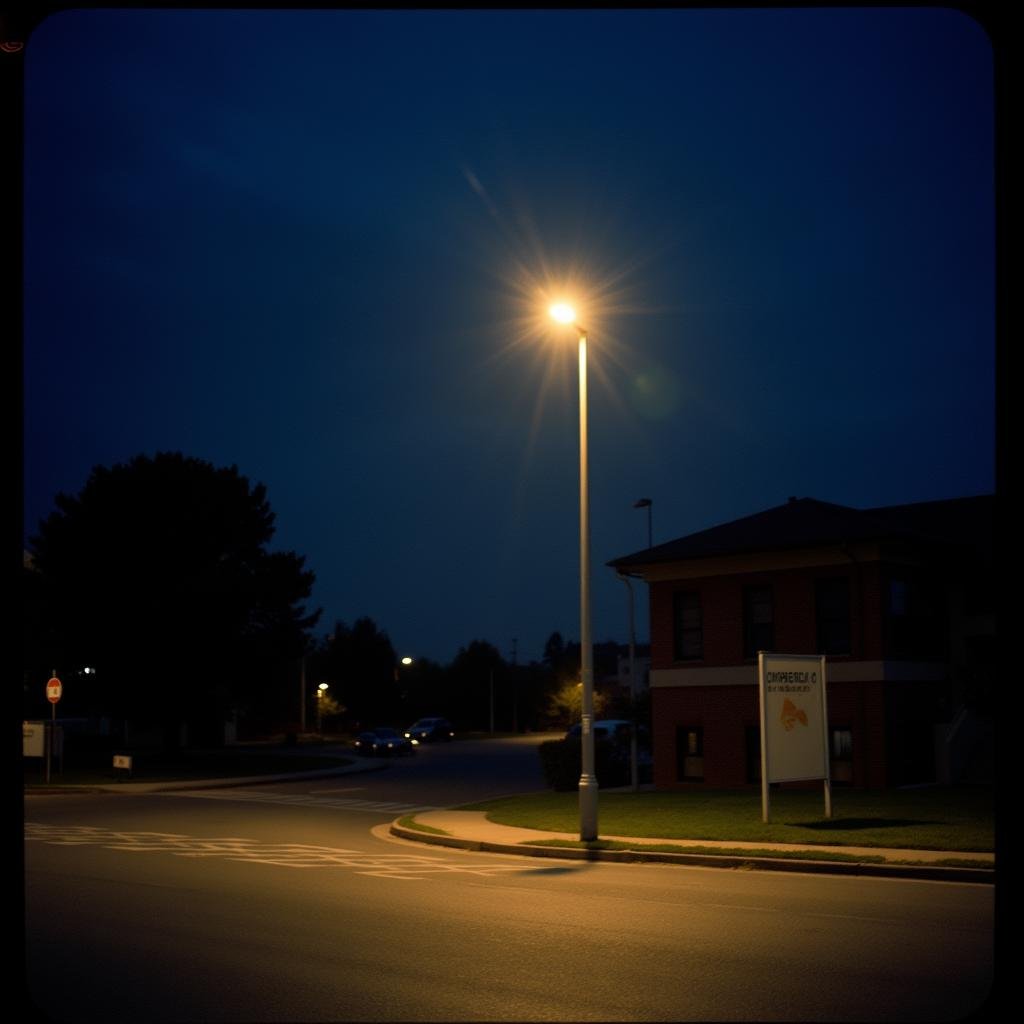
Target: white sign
column 794, row 721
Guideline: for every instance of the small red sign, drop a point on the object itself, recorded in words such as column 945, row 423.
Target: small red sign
column 54, row 690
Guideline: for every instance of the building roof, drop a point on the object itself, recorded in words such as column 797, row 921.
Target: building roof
column 807, row 522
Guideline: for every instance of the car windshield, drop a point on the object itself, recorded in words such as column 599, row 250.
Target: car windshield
column 425, row 723
column 386, row 733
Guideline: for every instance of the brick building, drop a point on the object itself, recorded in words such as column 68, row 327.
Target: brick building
column 899, row 599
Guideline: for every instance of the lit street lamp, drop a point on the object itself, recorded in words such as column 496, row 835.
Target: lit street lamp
column 565, row 314
column 321, row 692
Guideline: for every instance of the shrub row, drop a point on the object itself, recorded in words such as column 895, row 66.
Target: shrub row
column 561, row 761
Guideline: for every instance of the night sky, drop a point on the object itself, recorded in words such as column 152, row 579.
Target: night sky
column 319, row 246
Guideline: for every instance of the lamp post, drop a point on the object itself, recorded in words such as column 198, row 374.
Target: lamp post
column 646, row 503
column 634, row 772
column 565, row 314
column 321, row 690
column 403, row 693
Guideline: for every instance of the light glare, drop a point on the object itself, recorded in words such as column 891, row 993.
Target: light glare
column 563, row 313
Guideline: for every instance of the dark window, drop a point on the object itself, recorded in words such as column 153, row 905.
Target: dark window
column 689, row 753
column 688, row 627
column 832, row 613
column 841, row 755
column 915, row 619
column 758, row 621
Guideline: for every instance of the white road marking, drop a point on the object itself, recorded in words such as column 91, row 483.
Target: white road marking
column 392, row 807
column 406, row 867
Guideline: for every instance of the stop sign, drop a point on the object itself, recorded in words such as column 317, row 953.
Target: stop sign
column 54, row 690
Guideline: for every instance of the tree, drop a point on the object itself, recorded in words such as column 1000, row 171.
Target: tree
column 359, row 663
column 158, row 574
column 477, row 669
column 555, row 654
column 565, row 705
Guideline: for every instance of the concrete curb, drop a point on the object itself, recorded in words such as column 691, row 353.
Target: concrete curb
column 928, row 872
column 179, row 785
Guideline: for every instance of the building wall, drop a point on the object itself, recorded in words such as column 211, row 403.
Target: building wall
column 888, row 714
column 921, row 645
column 794, row 611
column 725, row 713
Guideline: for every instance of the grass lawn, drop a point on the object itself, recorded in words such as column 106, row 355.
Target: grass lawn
column 929, row 818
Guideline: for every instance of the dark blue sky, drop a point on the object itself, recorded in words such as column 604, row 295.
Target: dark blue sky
column 318, row 245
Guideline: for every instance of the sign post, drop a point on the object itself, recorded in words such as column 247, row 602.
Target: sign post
column 54, row 690
column 794, row 722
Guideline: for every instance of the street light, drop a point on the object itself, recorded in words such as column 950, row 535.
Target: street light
column 565, row 314
column 646, row 503
column 321, row 692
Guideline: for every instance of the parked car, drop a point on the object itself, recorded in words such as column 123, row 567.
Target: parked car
column 382, row 741
column 430, row 730
column 616, row 729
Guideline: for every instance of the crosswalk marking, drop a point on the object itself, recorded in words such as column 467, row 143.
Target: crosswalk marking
column 393, row 807
column 400, row 866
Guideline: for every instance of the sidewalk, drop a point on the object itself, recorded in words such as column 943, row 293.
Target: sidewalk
column 470, row 830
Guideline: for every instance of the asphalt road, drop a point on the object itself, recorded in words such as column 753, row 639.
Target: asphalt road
column 289, row 902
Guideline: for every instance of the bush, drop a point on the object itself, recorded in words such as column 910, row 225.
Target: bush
column 561, row 761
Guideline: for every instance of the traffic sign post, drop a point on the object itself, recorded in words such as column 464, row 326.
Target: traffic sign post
column 54, row 692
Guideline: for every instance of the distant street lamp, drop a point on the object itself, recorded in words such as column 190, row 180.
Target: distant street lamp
column 321, row 692
column 565, row 314
column 403, row 693
column 646, row 503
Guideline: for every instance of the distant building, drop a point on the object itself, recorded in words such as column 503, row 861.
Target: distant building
column 899, row 599
column 641, row 669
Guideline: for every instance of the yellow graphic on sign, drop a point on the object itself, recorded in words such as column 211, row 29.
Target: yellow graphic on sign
column 791, row 714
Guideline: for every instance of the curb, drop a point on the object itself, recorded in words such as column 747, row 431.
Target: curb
column 179, row 785
column 927, row 872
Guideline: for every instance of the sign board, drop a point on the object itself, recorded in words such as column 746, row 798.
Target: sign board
column 123, row 761
column 794, row 721
column 54, row 690
column 33, row 739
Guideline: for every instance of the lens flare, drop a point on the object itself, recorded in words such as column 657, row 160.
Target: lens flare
column 563, row 313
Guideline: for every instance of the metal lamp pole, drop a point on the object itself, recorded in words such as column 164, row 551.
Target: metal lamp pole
column 588, row 778
column 565, row 314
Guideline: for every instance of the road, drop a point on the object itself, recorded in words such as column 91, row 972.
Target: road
column 290, row 902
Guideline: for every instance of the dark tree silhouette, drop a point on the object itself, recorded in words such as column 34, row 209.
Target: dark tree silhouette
column 359, row 663
column 470, row 678
column 157, row 574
